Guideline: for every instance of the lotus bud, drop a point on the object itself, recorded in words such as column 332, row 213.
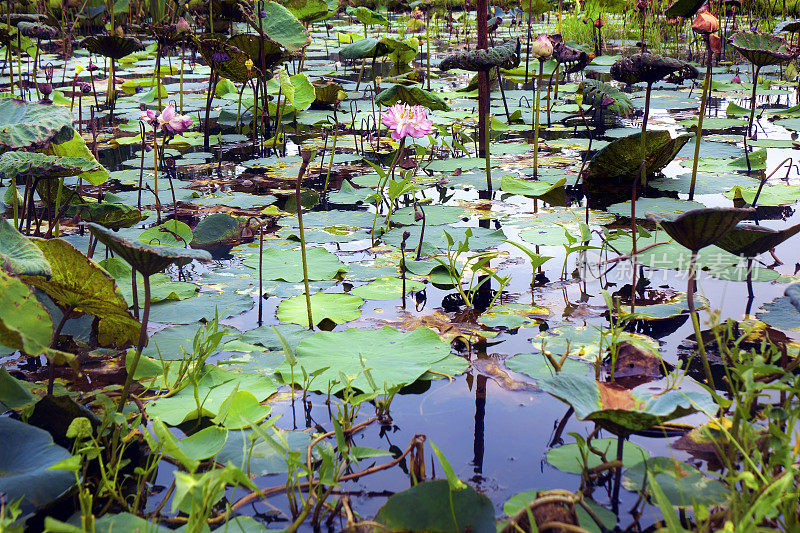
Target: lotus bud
column 542, row 47
column 247, row 233
column 579, row 99
column 705, row 23
column 119, row 31
column 406, row 235
column 378, row 81
column 247, row 183
column 642, row 5
column 182, row 26
column 418, row 216
column 86, row 87
column 736, row 78
column 599, row 23
column 307, row 155
column 249, row 64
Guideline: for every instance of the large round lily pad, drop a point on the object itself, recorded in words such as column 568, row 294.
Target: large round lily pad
column 353, row 350
column 25, row 456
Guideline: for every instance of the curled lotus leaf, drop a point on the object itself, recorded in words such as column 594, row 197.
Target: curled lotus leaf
column 619, row 162
column 683, row 8
column 650, row 68
column 412, row 96
column 148, row 259
column 17, row 163
column 788, row 26
column 574, row 59
column 597, row 93
column 112, row 46
column 621, row 410
column 699, row 228
column 371, row 48
column 327, row 94
column 763, row 49
column 27, row 125
column 228, row 60
column 37, row 30
column 19, row 255
column 268, row 56
column 79, row 284
column 506, row 56
column 750, row 240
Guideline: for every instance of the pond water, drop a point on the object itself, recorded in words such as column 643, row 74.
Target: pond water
column 489, row 418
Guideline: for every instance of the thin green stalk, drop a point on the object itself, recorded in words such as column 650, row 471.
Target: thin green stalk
column 699, row 133
column 536, row 120
column 696, row 321
column 299, row 205
column 139, row 347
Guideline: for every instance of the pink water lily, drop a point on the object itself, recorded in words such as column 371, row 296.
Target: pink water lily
column 404, row 120
column 173, row 122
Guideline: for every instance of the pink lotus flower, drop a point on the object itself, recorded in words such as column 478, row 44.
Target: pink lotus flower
column 148, row 116
column 404, row 120
column 173, row 122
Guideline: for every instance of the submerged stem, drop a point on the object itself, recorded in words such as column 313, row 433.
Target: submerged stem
column 696, row 321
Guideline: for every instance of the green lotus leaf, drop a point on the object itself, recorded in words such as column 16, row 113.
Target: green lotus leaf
column 24, row 323
column 19, row 255
column 110, row 215
column 505, row 56
column 328, row 94
column 793, row 293
column 78, row 283
column 585, row 342
column 161, row 286
column 513, row 316
column 278, row 264
column 683, row 8
column 27, row 125
column 597, row 93
column 420, row 508
column 310, row 10
column 147, row 259
column 13, row 164
column 788, row 26
column 338, row 308
column 781, row 312
column 271, row 54
column 622, row 410
column 684, row 485
column 412, row 95
column 112, row 46
column 259, row 457
column 366, row 16
column 216, row 230
column 650, row 68
column 349, row 352
column 228, row 60
column 297, row 89
column 567, row 457
column 619, row 162
column 371, row 47
column 763, row 49
column 519, row 501
column 533, row 189
column 749, row 240
column 537, row 366
column 76, row 147
column 280, row 26
column 215, row 386
column 388, row 288
column 25, row 458
column 170, row 233
column 699, row 228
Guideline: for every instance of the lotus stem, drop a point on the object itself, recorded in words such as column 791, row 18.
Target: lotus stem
column 752, row 105
column 696, row 321
column 382, row 184
column 180, row 102
column 56, row 332
column 139, row 347
column 260, row 272
column 536, row 120
column 333, row 154
column 155, row 175
column 135, row 294
column 699, row 133
column 303, row 166
column 487, row 152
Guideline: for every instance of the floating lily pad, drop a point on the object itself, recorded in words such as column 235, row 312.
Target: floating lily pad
column 338, row 308
column 513, row 316
column 519, row 501
column 780, row 313
column 537, row 366
column 334, row 353
column 386, row 288
column 420, row 509
column 584, row 342
column 286, row 265
column 567, row 458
